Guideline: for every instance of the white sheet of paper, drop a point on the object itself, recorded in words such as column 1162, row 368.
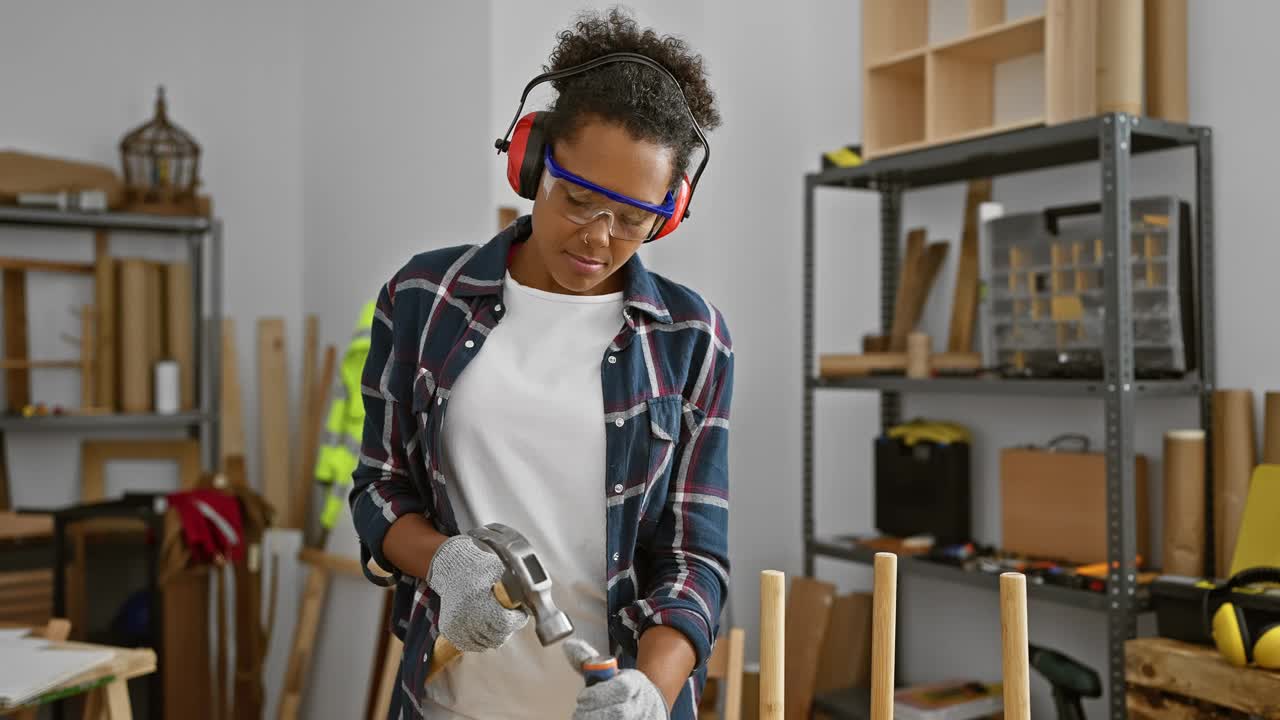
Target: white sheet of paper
column 33, row 668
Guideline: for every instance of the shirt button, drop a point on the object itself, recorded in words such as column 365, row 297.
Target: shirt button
column 613, row 359
column 439, row 401
column 497, row 308
column 615, row 557
column 619, row 422
column 470, row 343
column 618, row 488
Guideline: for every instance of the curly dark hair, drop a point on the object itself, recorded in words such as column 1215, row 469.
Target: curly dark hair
column 630, row 94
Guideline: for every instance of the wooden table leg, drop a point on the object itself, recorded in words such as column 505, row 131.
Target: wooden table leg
column 387, row 681
column 94, row 704
column 118, row 707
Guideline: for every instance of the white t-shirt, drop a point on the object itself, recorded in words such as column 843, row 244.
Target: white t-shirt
column 524, row 444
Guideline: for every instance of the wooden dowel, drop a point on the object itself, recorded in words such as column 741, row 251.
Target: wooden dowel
column 884, row 604
column 1013, row 629
column 773, row 605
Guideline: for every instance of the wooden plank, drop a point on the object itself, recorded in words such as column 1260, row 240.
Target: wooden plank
column 918, row 291
column 273, row 416
column 1120, row 56
column 179, row 334
column 232, row 420
column 17, row 381
column 340, row 564
column 372, row 700
column 95, row 454
column 846, row 650
column 188, row 681
column 87, row 343
column 37, row 364
column 250, row 642
column 1166, row 59
column 390, row 665
column 104, row 301
column 1199, row 672
column 808, row 609
column 16, row 578
column 1147, row 704
column 50, row 266
column 155, row 317
column 135, row 369
column 304, row 642
column 4, row 480
column 15, row 527
column 312, row 427
column 301, row 468
column 984, row 14
column 964, row 305
column 911, row 266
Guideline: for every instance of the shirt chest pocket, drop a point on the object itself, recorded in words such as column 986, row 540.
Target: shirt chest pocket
column 665, row 414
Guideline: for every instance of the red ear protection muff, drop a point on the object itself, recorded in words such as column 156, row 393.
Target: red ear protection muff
column 528, row 139
column 683, row 191
column 1229, row 623
column 524, row 155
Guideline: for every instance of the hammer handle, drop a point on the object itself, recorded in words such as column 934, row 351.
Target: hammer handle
column 445, row 652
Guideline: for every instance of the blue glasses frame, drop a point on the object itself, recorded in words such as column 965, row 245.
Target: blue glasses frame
column 666, row 209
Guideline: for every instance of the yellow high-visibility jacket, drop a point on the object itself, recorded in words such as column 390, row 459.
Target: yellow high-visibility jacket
column 340, row 448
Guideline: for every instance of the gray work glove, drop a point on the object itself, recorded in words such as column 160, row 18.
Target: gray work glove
column 630, row 695
column 471, row 618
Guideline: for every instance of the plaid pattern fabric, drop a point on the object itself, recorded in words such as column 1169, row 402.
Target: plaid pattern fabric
column 667, row 379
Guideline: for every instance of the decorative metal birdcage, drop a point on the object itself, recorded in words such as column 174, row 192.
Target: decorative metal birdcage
column 161, row 160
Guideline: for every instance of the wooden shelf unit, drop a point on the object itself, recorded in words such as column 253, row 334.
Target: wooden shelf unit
column 917, row 94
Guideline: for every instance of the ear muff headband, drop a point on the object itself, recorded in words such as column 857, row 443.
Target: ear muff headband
column 1227, row 625
column 524, row 161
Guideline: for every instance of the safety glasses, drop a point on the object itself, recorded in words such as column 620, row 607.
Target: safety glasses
column 582, row 201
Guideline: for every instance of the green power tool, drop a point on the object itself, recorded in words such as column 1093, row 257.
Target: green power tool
column 1070, row 678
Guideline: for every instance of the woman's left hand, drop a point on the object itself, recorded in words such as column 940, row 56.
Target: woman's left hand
column 629, row 695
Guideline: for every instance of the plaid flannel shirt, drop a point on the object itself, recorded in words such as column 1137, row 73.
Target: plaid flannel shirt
column 667, row 379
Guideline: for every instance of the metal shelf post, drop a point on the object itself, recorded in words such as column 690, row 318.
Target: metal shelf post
column 1115, row 140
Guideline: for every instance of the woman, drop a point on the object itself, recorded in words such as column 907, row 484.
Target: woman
column 547, row 381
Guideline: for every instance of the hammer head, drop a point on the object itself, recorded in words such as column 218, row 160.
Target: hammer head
column 525, row 580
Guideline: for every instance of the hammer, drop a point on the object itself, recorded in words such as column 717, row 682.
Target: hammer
column 524, row 585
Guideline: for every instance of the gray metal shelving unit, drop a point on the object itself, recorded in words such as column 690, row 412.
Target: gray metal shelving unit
column 1110, row 140
column 203, row 240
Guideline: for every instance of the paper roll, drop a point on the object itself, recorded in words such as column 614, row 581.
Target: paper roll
column 168, row 392
column 1184, row 502
column 1234, row 456
column 1271, row 429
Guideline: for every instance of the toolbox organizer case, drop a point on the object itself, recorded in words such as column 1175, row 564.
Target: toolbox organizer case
column 1043, row 310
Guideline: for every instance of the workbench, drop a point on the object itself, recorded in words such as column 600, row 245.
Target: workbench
column 111, row 699
column 1172, row 680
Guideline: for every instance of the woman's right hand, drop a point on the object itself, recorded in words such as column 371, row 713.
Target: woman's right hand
column 463, row 575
